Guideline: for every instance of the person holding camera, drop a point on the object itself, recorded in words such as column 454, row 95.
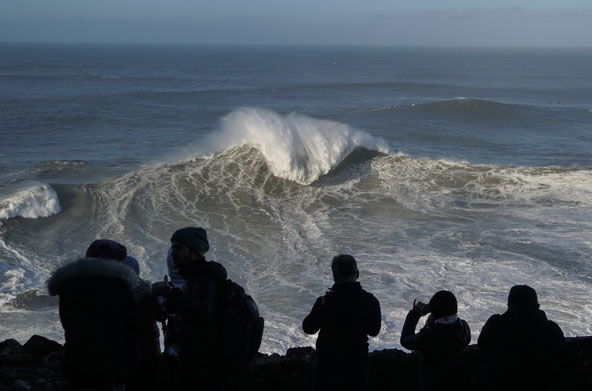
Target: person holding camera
column 441, row 341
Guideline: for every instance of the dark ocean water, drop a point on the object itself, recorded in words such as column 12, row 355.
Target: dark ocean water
column 464, row 169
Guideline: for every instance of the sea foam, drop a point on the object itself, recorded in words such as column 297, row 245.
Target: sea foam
column 296, row 147
column 33, row 201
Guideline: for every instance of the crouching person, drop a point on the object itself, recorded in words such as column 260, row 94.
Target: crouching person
column 441, row 342
column 345, row 316
column 99, row 317
column 196, row 306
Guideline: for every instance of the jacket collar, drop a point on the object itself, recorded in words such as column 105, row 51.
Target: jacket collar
column 346, row 286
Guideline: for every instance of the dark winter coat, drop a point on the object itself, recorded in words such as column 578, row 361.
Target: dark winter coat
column 441, row 346
column 98, row 313
column 524, row 349
column 149, row 311
column 345, row 316
column 197, row 306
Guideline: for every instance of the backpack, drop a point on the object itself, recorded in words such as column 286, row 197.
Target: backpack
column 240, row 328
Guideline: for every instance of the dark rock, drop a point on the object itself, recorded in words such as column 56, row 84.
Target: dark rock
column 21, row 385
column 389, row 369
column 10, row 347
column 15, row 359
column 31, row 301
column 54, row 360
column 41, row 346
column 299, row 353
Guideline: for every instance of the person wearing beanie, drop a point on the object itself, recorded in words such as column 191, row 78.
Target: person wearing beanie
column 106, row 249
column 441, row 342
column 196, row 305
column 524, row 349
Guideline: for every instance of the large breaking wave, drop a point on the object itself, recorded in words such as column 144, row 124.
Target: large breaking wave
column 295, row 146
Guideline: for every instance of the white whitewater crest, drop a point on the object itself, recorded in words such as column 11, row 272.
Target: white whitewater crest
column 296, row 147
column 32, row 201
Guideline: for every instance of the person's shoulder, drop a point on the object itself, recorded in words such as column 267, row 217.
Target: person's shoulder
column 217, row 270
column 554, row 328
column 495, row 318
column 370, row 298
column 208, row 271
column 368, row 295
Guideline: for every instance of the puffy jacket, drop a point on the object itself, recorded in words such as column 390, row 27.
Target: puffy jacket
column 100, row 321
column 524, row 349
column 441, row 345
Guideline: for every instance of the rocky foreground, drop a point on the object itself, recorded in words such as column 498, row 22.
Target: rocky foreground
column 37, row 365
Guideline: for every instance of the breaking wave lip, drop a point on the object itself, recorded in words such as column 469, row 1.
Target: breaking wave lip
column 295, row 146
column 31, row 201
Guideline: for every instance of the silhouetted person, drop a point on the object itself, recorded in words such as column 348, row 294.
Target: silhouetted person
column 99, row 316
column 148, row 335
column 523, row 347
column 148, row 311
column 441, row 341
column 346, row 315
column 197, row 305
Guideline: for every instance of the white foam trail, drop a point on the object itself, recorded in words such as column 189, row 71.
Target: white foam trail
column 36, row 200
column 296, row 147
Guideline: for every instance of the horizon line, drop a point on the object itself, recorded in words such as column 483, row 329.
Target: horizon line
column 296, row 45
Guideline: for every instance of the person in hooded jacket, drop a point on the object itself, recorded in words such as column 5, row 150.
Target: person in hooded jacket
column 523, row 347
column 345, row 316
column 196, row 305
column 148, row 312
column 99, row 316
column 441, row 341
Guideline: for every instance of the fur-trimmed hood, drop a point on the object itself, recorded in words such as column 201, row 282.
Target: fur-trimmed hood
column 91, row 267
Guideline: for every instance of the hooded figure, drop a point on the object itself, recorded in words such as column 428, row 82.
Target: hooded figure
column 523, row 347
column 148, row 310
column 441, row 341
column 99, row 317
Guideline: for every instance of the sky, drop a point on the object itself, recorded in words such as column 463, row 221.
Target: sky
column 301, row 22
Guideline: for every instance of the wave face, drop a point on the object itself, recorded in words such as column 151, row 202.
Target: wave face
column 295, row 146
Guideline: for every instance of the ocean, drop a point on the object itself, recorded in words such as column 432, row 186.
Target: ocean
column 466, row 169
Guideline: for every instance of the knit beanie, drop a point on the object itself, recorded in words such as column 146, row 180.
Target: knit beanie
column 522, row 296
column 442, row 304
column 195, row 238
column 106, row 249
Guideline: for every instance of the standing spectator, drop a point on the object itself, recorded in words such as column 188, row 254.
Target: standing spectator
column 147, row 335
column 197, row 305
column 441, row 341
column 99, row 316
column 523, row 347
column 345, row 316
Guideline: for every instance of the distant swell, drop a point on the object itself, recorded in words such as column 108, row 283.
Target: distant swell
column 296, row 147
column 463, row 106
